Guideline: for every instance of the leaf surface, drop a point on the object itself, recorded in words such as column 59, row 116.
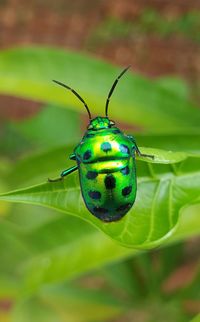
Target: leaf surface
column 165, row 186
column 27, row 72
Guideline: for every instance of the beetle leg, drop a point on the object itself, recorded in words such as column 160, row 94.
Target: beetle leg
column 137, row 149
column 131, row 137
column 72, row 156
column 142, row 154
column 64, row 173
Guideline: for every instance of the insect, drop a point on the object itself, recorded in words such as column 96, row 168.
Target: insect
column 105, row 160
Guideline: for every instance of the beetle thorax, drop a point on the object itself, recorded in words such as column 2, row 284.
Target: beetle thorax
column 99, row 123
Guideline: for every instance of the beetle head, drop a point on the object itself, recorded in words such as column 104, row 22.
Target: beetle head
column 99, row 123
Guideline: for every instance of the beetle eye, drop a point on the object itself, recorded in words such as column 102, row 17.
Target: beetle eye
column 90, row 127
column 112, row 123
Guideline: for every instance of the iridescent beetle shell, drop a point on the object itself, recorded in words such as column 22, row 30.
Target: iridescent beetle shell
column 106, row 163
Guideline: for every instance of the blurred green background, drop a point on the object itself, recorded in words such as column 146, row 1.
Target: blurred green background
column 54, row 266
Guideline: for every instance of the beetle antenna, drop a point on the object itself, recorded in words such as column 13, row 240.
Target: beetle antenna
column 113, row 87
column 77, row 95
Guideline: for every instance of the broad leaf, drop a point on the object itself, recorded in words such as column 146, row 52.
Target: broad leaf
column 38, row 167
column 165, row 186
column 57, row 248
column 52, row 126
column 196, row 319
column 185, row 142
column 28, row 73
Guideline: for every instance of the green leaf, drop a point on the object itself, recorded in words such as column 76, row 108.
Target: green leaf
column 53, row 248
column 28, row 72
column 196, row 319
column 12, row 143
column 64, row 247
column 38, row 167
column 165, row 186
column 12, row 248
column 122, row 277
column 185, row 142
column 47, row 129
column 176, row 85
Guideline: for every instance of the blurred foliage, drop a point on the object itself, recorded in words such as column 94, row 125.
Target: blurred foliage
column 188, row 24
column 149, row 22
column 44, row 253
column 27, row 73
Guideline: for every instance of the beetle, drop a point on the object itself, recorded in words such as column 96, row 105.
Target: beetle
column 105, row 160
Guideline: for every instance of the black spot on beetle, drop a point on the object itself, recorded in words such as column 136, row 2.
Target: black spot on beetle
column 94, row 194
column 126, row 191
column 87, row 155
column 91, row 175
column 124, row 207
column 106, row 146
column 124, row 148
column 125, row 170
column 100, row 210
column 110, row 181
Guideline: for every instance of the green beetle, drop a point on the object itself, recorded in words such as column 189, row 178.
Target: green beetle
column 105, row 159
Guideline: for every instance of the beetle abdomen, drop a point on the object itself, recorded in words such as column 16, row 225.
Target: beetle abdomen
column 108, row 191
